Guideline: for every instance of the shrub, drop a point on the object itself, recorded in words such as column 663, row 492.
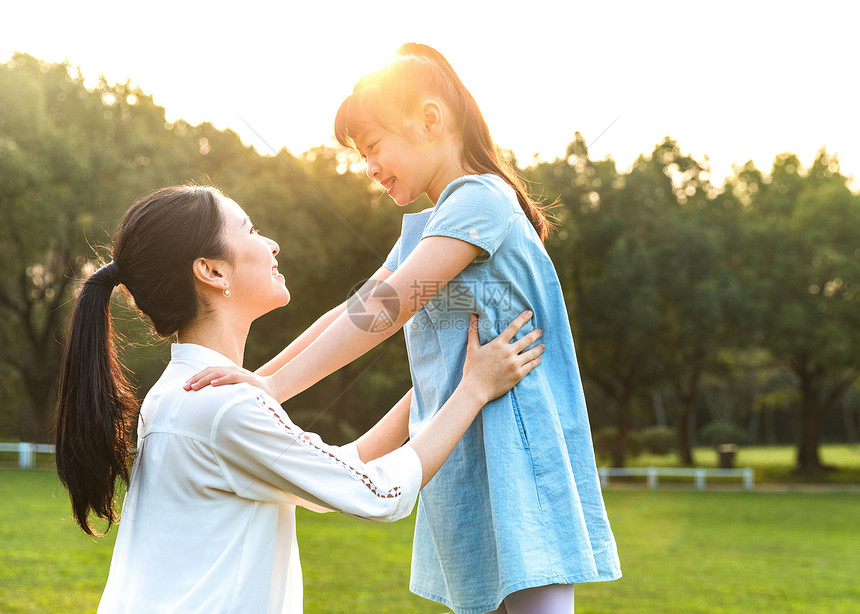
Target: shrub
column 606, row 442
column 719, row 432
column 657, row 439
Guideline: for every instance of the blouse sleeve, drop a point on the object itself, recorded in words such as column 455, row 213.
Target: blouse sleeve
column 476, row 211
column 264, row 456
column 392, row 261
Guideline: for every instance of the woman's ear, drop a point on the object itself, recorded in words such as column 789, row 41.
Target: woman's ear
column 210, row 273
column 432, row 118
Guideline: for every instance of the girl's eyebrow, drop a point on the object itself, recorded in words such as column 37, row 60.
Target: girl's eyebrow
column 360, row 138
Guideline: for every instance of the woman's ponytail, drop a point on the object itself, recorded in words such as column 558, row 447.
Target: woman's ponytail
column 96, row 410
column 154, row 249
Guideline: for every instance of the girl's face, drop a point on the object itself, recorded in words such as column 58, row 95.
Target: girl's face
column 254, row 281
column 404, row 167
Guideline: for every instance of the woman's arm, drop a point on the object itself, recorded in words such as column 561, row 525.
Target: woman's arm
column 489, row 372
column 267, row 458
column 433, row 263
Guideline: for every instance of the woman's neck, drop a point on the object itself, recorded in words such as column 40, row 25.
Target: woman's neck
column 219, row 334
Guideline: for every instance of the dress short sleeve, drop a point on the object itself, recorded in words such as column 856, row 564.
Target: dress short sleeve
column 393, row 258
column 478, row 209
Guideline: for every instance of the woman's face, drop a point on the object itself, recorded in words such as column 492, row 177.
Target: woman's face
column 254, row 281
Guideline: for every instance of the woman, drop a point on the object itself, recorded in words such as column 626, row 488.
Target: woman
column 209, row 517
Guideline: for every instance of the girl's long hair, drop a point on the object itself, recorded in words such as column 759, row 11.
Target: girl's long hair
column 154, row 247
column 393, row 94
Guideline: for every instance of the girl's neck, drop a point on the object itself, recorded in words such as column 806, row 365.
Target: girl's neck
column 450, row 167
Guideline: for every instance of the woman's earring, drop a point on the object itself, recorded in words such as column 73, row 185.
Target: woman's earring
column 226, row 291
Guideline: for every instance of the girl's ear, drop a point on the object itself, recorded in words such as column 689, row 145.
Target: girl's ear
column 432, row 118
column 209, row 272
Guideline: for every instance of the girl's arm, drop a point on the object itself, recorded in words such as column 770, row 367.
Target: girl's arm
column 388, row 434
column 434, row 262
column 301, row 342
column 311, row 333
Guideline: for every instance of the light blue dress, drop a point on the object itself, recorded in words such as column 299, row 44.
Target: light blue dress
column 518, row 504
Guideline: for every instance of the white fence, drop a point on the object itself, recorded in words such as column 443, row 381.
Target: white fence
column 699, row 474
column 27, row 451
column 27, row 458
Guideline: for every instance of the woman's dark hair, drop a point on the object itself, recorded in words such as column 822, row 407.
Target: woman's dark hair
column 154, row 247
column 394, row 93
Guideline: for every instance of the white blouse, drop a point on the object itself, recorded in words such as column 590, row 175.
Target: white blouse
column 208, row 523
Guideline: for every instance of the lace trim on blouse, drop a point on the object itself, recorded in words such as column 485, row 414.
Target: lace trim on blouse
column 305, row 439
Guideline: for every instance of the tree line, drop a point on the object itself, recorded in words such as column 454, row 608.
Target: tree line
column 722, row 312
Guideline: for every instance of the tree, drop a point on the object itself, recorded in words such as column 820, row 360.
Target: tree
column 608, row 273
column 699, row 297
column 50, row 164
column 71, row 161
column 804, row 251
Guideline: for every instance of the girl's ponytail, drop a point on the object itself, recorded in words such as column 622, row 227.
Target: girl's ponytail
column 96, row 410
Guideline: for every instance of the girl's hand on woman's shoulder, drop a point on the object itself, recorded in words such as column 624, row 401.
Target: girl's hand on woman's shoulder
column 498, row 366
column 221, row 376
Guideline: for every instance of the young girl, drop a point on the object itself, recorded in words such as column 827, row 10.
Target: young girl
column 515, row 517
column 208, row 522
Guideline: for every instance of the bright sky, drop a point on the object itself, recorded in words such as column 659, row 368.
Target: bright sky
column 731, row 80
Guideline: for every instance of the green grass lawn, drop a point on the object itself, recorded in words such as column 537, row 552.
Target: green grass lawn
column 47, row 564
column 681, row 552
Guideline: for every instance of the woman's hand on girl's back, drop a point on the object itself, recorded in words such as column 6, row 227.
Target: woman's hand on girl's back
column 496, row 367
column 220, row 376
